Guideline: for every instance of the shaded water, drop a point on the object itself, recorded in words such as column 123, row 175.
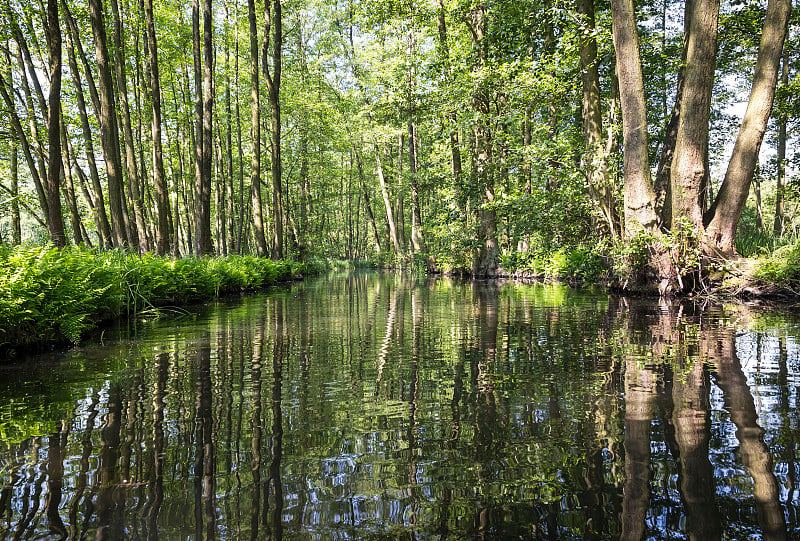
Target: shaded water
column 377, row 406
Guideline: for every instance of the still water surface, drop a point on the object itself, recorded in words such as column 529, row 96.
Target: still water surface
column 371, row 406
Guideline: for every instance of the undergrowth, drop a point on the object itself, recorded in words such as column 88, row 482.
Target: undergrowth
column 51, row 295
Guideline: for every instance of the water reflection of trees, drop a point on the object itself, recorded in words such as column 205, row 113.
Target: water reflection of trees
column 360, row 406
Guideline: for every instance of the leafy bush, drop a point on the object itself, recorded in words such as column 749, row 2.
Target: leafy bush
column 781, row 267
column 568, row 263
column 51, row 295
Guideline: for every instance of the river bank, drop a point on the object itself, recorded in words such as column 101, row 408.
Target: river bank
column 51, row 296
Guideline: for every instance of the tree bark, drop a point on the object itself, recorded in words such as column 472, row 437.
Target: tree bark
column 16, row 223
column 273, row 19
column 99, row 206
column 387, row 203
column 55, row 221
column 688, row 171
column 723, row 217
column 367, row 200
column 485, row 260
column 638, row 188
column 203, row 238
column 140, row 228
column 601, row 187
column 68, row 186
column 255, row 131
column 163, row 225
column 780, row 188
column 34, row 144
column 109, row 133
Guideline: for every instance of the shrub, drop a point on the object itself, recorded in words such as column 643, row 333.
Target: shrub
column 51, row 295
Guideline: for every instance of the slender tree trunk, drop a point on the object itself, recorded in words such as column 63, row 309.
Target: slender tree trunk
column 163, row 225
column 452, row 123
column 724, row 215
column 34, row 144
column 367, row 201
column 55, row 221
column 273, row 18
column 101, row 217
column 68, row 187
column 109, row 133
column 417, row 237
column 387, row 203
column 638, row 188
column 780, row 188
column 16, row 223
column 139, row 230
column 203, row 240
column 255, row 127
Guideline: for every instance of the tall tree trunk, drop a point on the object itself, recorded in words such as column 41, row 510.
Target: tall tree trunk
column 723, row 217
column 109, row 134
column 485, row 261
column 240, row 164
column 101, row 217
column 16, row 223
column 163, row 225
column 601, row 186
column 203, row 240
column 661, row 184
column 417, row 237
column 255, row 130
column 688, row 172
column 139, row 230
column 387, row 203
column 69, row 186
column 638, row 188
column 273, row 19
column 55, row 221
column 780, row 188
column 38, row 168
column 452, row 122
column 363, row 185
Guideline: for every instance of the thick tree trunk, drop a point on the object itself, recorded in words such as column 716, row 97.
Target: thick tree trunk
column 163, row 225
column 109, row 133
column 55, row 222
column 595, row 160
column 724, row 215
column 638, row 188
column 485, row 260
column 688, row 172
column 255, row 131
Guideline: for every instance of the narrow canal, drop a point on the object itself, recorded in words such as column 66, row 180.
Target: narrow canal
column 379, row 406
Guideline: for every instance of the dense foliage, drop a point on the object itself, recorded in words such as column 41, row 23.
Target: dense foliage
column 445, row 134
column 51, row 295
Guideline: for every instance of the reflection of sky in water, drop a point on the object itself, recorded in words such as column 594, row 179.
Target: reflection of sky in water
column 449, row 411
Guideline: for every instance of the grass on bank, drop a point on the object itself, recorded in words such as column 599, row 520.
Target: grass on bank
column 51, row 295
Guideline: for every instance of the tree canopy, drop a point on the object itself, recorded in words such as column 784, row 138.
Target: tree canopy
column 449, row 134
